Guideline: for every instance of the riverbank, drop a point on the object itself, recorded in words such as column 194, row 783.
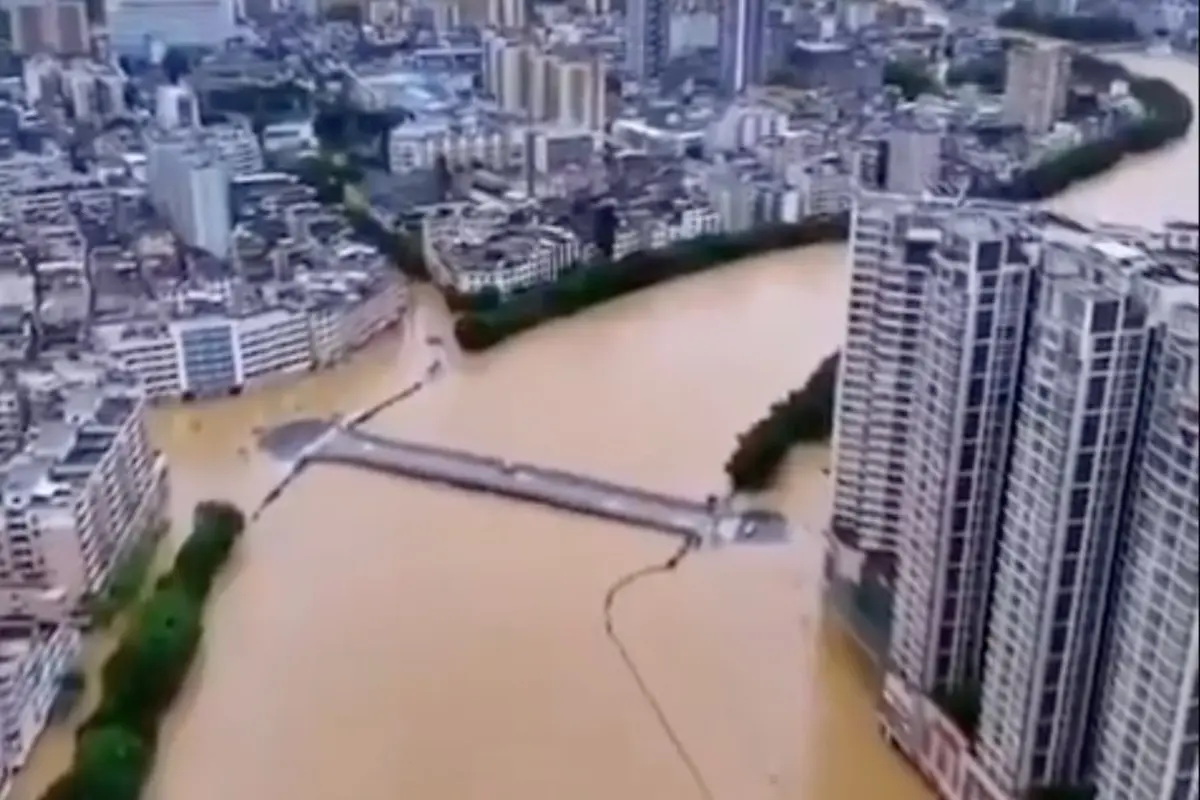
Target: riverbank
column 485, row 322
column 115, row 747
column 480, row 329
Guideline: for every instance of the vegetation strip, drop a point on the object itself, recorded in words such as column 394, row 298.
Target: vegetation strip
column 115, row 747
column 806, row 415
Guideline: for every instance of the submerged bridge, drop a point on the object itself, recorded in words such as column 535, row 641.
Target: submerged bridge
column 710, row 522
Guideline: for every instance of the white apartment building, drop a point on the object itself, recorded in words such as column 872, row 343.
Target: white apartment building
column 33, row 660
column 892, row 241
column 1035, row 90
column 1077, row 424
column 967, row 359
column 474, row 249
column 176, row 107
column 189, row 183
column 196, row 23
column 419, row 146
column 914, row 155
column 215, row 354
column 83, row 487
column 1150, row 720
column 1090, row 653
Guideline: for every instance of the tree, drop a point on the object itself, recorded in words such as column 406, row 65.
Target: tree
column 803, row 415
column 145, row 673
column 111, row 764
column 215, row 531
column 912, row 79
column 1090, row 29
column 175, row 64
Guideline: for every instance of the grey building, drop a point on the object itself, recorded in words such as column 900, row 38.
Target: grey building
column 1077, row 424
column 1150, row 720
column 892, row 241
column 647, row 45
column 968, row 356
column 742, row 43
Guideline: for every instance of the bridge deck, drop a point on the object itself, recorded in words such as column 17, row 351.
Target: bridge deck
column 556, row 488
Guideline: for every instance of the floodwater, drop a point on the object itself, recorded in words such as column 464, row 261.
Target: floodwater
column 379, row 639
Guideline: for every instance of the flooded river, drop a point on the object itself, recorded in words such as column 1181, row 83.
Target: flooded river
column 380, row 639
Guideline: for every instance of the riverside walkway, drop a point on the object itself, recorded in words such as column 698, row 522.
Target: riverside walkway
column 549, row 487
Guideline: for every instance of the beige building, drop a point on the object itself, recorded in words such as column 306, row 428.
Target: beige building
column 565, row 87
column 1035, row 94
column 59, row 27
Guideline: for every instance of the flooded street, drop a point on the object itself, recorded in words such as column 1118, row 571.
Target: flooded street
column 380, row 639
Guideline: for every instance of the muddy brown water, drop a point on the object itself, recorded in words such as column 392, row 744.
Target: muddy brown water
column 379, row 639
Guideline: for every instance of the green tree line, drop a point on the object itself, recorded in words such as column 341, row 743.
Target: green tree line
column 1168, row 116
column 115, row 747
column 802, row 415
column 489, row 320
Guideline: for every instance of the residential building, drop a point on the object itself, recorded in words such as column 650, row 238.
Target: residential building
column 966, row 368
column 912, row 155
column 742, row 44
column 1076, row 366
column 892, row 241
column 33, row 660
column 224, row 339
column 647, row 34
column 1150, row 720
column 1036, row 83
column 1078, row 414
column 473, row 249
column 197, row 23
column 83, row 488
column 189, row 183
column 57, row 27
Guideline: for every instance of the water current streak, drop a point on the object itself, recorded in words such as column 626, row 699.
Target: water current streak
column 690, row 543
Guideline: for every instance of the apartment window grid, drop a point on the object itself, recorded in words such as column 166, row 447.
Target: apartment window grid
column 1071, row 453
column 876, row 378
column 209, row 359
column 975, row 326
column 1151, row 726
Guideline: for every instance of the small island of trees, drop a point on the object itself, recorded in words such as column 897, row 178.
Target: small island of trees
column 803, row 415
column 116, row 745
column 488, row 320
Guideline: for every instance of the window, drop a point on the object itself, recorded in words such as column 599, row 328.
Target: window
column 1083, row 468
column 1079, row 503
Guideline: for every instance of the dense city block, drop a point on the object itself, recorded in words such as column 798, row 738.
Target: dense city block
column 198, row 199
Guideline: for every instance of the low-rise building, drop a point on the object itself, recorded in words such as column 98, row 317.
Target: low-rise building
column 81, row 489
column 472, row 249
column 223, row 339
column 34, row 658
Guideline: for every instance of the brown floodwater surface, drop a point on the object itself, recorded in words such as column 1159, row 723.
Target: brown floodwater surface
column 379, row 639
